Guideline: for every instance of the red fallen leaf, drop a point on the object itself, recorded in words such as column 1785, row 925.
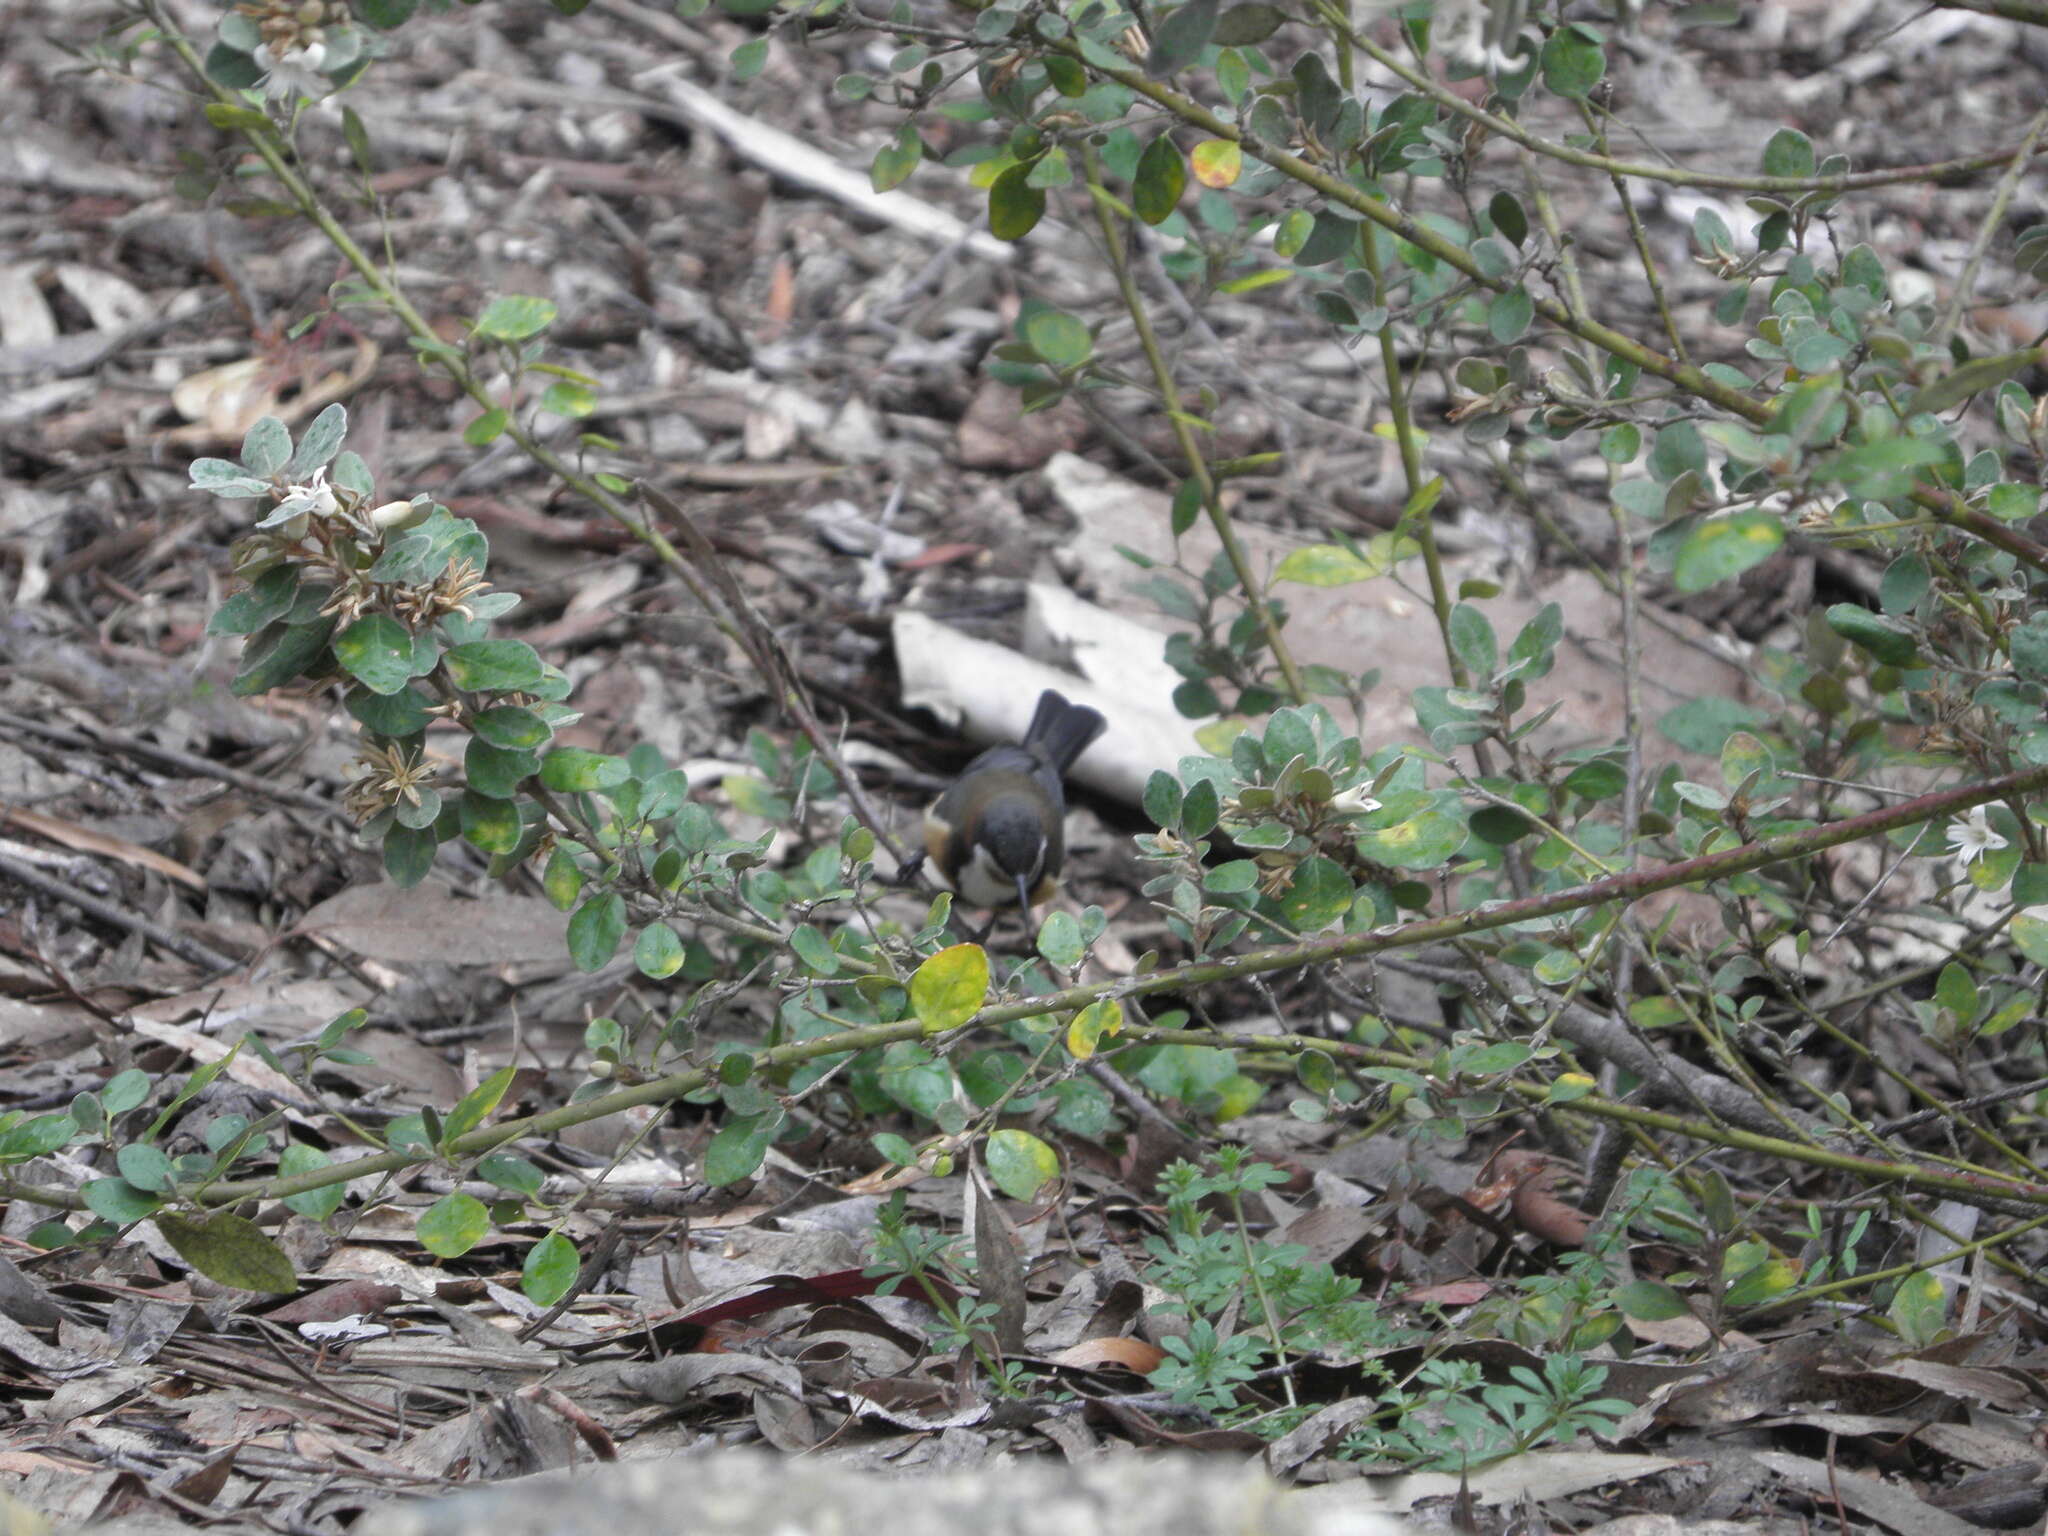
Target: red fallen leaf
column 1536, row 1207
column 943, row 554
column 204, row 1485
column 1094, row 1354
column 330, row 1304
column 1455, row 1293
column 779, row 1291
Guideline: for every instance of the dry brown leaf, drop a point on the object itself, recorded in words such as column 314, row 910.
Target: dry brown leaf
column 85, row 840
column 1095, row 1354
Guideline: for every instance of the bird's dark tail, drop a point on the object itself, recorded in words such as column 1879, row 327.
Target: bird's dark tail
column 1063, row 729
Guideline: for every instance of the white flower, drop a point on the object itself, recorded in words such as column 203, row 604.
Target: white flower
column 1972, row 837
column 315, row 497
column 296, row 71
column 1354, row 802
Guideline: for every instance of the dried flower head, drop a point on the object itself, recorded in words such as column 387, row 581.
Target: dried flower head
column 385, row 776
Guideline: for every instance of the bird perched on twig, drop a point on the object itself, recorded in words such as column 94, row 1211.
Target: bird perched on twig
column 998, row 833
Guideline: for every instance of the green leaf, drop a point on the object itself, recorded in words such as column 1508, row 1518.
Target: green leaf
column 1059, row 940
column 35, row 1137
column 1883, row 468
column 658, row 952
column 494, row 771
column 2029, row 937
column 894, row 1149
column 574, row 770
column 2028, row 647
column 1472, row 639
column 396, row 715
column 511, row 726
column 376, row 651
column 1181, row 36
column 1509, row 315
column 739, row 1147
column 1868, row 632
column 1955, row 989
column 229, row 1250
column 1919, row 1309
column 1019, row 1164
column 1427, row 841
column 510, row 1171
column 1710, row 233
column 409, row 855
column 1199, row 809
column 814, row 949
column 562, row 880
column 1508, row 217
column 313, row 1204
column 1651, row 1301
column 321, row 441
column 1162, row 799
column 917, row 1080
column 749, row 59
column 950, row 987
column 1573, row 61
column 1320, row 895
column 118, row 1200
column 475, row 1107
column 265, row 601
column 279, row 654
column 1905, row 582
column 1060, row 339
column 1720, row 547
column 1243, row 25
column 144, row 1166
column 1292, row 233
column 550, row 1269
column 233, row 68
column 495, row 666
column 1332, row 565
column 125, row 1090
column 1161, row 177
column 1972, row 378
column 1014, row 205
column 894, row 162
column 515, row 317
column 453, row 1225
column 567, row 398
column 1789, row 153
column 386, row 14
column 596, row 929
column 266, row 447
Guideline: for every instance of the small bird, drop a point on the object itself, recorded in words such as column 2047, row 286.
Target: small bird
column 998, row 833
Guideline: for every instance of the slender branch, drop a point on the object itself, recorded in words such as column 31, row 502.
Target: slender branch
column 1178, row 419
column 1787, row 186
column 1629, row 886
column 1994, row 220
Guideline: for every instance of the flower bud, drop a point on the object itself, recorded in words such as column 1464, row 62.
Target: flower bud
column 396, row 515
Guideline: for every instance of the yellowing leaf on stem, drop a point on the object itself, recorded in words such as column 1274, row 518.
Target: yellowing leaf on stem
column 950, row 988
column 1020, row 1164
column 1217, row 162
column 1104, row 1016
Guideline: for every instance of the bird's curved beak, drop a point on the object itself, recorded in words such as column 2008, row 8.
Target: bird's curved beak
column 1024, row 897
